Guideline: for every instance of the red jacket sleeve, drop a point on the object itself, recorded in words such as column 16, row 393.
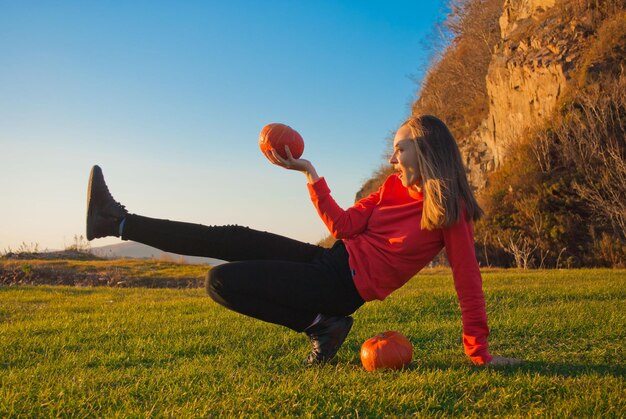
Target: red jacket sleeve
column 459, row 243
column 341, row 223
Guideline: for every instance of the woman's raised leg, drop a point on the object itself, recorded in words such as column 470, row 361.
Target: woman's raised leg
column 231, row 243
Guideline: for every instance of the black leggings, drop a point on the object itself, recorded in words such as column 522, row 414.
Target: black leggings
column 269, row 277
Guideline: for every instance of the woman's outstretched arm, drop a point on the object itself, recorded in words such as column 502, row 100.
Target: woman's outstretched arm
column 340, row 223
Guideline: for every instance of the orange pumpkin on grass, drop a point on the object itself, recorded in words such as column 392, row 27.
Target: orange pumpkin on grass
column 386, row 350
column 276, row 136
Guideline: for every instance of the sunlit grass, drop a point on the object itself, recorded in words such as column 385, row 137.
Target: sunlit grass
column 139, row 352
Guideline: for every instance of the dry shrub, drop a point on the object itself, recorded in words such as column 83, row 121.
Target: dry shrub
column 559, row 198
column 592, row 137
column 327, row 242
column 610, row 252
column 454, row 88
column 597, row 10
column 375, row 182
column 605, row 56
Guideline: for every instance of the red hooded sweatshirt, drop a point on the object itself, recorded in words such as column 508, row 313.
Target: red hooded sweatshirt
column 387, row 247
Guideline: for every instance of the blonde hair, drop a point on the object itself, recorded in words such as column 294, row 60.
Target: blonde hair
column 444, row 182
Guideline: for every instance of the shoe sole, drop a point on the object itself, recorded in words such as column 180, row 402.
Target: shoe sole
column 89, row 222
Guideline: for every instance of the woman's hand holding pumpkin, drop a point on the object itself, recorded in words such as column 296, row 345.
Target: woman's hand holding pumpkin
column 301, row 165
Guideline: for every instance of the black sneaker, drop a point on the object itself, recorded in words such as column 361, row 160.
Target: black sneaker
column 326, row 337
column 104, row 214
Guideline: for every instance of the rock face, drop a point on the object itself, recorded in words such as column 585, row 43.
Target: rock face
column 528, row 74
column 516, row 12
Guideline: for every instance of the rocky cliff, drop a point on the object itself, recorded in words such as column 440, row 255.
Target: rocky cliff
column 531, row 58
column 540, row 46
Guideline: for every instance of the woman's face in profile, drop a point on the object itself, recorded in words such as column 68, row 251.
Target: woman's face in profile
column 404, row 157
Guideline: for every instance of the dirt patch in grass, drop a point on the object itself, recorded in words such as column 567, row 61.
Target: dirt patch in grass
column 94, row 273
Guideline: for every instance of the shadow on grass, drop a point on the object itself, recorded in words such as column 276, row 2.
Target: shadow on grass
column 567, row 370
column 533, row 367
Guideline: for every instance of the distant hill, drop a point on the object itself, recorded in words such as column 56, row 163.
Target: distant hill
column 135, row 250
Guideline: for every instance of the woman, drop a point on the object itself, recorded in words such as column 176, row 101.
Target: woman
column 383, row 241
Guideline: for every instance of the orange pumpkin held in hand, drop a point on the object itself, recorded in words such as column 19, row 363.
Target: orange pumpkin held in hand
column 277, row 136
column 386, row 350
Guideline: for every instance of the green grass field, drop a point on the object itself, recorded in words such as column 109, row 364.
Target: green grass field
column 67, row 351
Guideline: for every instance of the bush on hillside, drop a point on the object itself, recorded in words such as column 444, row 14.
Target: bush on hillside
column 558, row 200
column 454, row 88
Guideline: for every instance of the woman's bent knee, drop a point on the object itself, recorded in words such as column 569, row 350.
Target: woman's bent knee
column 214, row 284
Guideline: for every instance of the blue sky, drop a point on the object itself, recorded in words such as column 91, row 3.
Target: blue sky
column 169, row 97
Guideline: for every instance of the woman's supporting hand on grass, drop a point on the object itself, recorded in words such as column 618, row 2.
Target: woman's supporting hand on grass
column 301, row 165
column 500, row 360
